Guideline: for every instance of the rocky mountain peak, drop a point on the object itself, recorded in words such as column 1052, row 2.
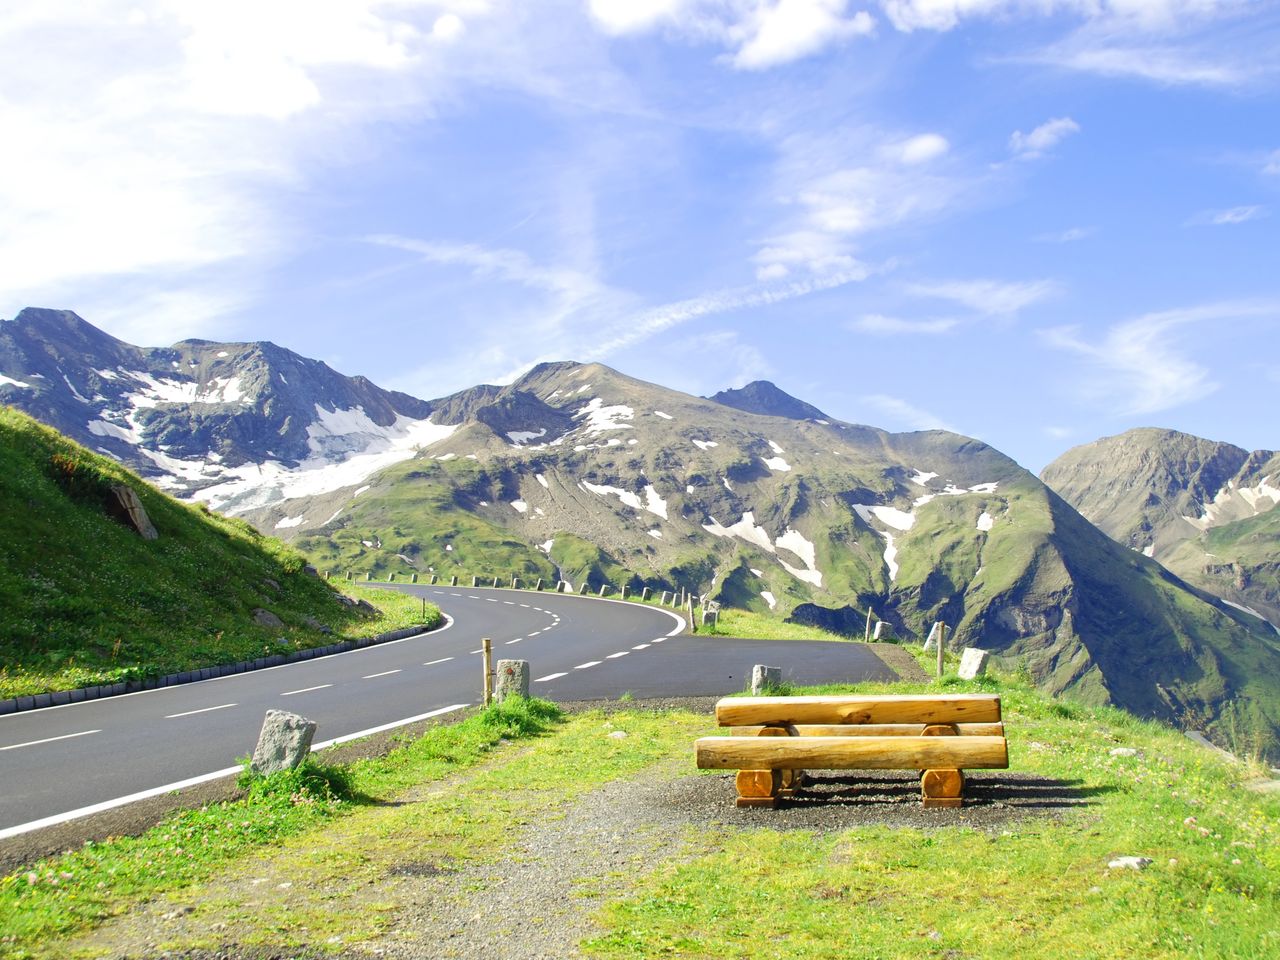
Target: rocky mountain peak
column 761, row 396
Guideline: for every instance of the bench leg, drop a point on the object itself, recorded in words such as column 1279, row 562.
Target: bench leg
column 792, row 782
column 758, row 788
column 942, row 788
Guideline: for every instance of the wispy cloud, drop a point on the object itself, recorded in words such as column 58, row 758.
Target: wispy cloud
column 1058, row 433
column 1141, row 368
column 757, row 33
column 1272, row 167
column 991, row 297
column 1043, row 138
column 879, row 325
column 1230, row 217
column 904, row 414
column 1164, row 65
column 1066, row 236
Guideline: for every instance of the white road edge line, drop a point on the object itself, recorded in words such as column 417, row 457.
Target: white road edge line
column 384, row 673
column 21, row 828
column 191, row 713
column 65, row 736
column 432, row 663
column 306, row 689
column 550, row 676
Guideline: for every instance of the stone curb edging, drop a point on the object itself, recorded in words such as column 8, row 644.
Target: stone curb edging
column 63, row 697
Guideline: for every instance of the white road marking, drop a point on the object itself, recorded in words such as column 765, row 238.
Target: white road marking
column 641, row 646
column 525, row 605
column 516, row 640
column 509, row 603
column 57, row 818
column 657, row 639
column 589, row 663
column 481, row 650
column 432, row 663
column 491, row 599
column 65, row 736
column 384, row 673
column 550, row 676
column 615, row 656
column 223, row 706
column 306, row 689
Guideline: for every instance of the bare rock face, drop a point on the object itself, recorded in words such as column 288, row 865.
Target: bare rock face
column 265, row 618
column 513, row 679
column 125, row 506
column 285, row 741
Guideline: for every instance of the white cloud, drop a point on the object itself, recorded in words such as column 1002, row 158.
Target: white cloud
column 1162, row 64
column 759, row 33
column 992, row 297
column 1230, row 216
column 880, row 325
column 1066, row 236
column 1272, row 167
column 1141, row 368
column 1042, row 138
column 942, row 15
column 919, row 149
column 902, row 413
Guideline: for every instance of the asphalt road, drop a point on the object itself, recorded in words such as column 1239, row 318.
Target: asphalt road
column 77, row 759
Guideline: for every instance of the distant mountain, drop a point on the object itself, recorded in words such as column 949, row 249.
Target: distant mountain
column 581, row 473
column 761, row 396
column 1204, row 509
column 232, row 423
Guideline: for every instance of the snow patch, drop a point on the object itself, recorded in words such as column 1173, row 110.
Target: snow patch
column 289, row 522
column 597, row 418
column 1254, row 612
column 890, row 557
column 626, row 496
column 664, row 416
column 519, row 506
column 521, row 437
column 889, row 516
column 923, row 478
column 101, row 428
column 986, row 521
column 74, row 392
column 656, row 533
column 705, row 444
column 654, row 503
column 775, row 448
column 985, row 487
column 360, row 491
column 112, row 375
column 727, row 485
column 546, row 547
column 745, row 529
column 337, row 513
column 542, row 480
column 1149, row 550
column 689, row 488
column 776, row 463
column 223, row 353
column 768, row 598
column 632, row 442
column 758, row 573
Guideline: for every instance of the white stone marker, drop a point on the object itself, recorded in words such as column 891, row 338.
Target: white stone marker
column 973, row 663
column 284, row 742
column 513, row 679
column 762, row 676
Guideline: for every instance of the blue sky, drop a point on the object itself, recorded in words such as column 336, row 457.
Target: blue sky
column 1030, row 221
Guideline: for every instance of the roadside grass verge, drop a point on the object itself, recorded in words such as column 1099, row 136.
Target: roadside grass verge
column 1038, row 888
column 83, row 888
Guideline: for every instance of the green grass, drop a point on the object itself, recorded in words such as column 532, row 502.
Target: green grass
column 82, row 889
column 84, row 600
column 1036, row 887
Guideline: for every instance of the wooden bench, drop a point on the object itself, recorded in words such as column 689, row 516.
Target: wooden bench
column 774, row 739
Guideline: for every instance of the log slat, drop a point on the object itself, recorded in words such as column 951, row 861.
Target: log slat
column 851, row 753
column 899, row 708
column 873, row 730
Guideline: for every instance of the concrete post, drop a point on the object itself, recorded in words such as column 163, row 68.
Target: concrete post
column 583, row 589
column 644, row 594
column 539, row 584
column 884, row 631
column 368, row 576
column 475, row 581
column 603, row 588
column 624, row 592
column 515, row 583
column 453, row 581
column 973, row 663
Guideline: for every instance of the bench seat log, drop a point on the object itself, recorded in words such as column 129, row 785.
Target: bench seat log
column 888, row 708
column 870, row 730
column 852, row 753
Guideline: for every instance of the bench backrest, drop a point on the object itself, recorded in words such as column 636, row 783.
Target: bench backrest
column 876, row 709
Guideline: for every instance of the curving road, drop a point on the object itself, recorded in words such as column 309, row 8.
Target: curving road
column 62, row 762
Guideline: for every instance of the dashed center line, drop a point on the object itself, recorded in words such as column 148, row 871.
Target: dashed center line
column 589, row 663
column 615, row 656
column 306, row 689
column 516, row 640
column 641, row 646
column 550, row 676
column 65, row 736
column 384, row 673
column 189, row 713
column 432, row 663
column 481, row 650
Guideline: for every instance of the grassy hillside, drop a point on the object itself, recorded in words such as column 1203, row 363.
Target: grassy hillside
column 394, row 854
column 85, row 600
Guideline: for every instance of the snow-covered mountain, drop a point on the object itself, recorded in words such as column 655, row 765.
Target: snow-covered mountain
column 235, row 424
